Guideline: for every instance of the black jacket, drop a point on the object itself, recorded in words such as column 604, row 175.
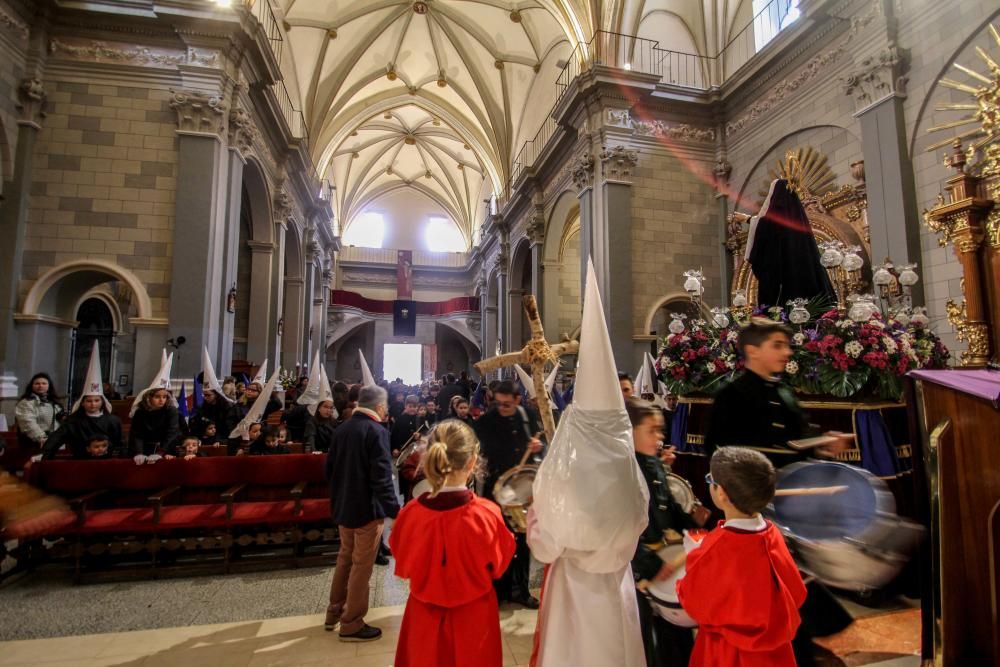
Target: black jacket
column 312, row 439
column 78, row 428
column 153, row 430
column 504, row 441
column 359, row 468
column 757, row 413
column 664, row 514
column 296, row 420
column 402, row 429
column 448, row 392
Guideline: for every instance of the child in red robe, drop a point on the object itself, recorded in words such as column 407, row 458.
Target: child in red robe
column 741, row 585
column 451, row 545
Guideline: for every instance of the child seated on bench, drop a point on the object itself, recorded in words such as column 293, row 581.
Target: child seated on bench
column 96, row 448
column 268, row 444
column 190, row 448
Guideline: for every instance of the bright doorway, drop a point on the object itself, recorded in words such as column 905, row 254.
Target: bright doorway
column 402, row 360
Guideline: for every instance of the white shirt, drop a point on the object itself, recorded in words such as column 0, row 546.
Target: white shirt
column 753, row 525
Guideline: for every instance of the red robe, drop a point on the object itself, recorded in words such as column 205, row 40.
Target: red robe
column 451, row 548
column 744, row 590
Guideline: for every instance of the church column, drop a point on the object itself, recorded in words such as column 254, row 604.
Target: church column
column 294, row 322
column 322, row 303
column 261, row 258
column 536, row 238
column 614, row 223
column 277, row 292
column 583, row 178
column 308, row 326
column 242, row 133
column 197, row 288
column 13, row 224
column 877, row 85
column 503, row 314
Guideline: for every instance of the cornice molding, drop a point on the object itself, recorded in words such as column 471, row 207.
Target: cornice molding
column 131, row 54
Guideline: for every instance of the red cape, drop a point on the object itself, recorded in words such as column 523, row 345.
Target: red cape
column 451, row 548
column 744, row 590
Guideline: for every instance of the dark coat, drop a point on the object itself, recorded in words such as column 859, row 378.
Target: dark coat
column 402, row 429
column 296, row 420
column 313, row 427
column 153, row 430
column 359, row 468
column 503, row 441
column 448, row 392
column 757, row 413
column 78, row 428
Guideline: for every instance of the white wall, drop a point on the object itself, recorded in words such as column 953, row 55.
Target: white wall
column 406, row 213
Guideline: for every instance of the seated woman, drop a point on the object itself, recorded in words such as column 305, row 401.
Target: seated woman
column 154, row 425
column 92, row 418
column 319, row 428
column 268, row 444
column 38, row 412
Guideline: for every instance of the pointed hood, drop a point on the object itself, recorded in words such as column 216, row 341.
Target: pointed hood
column 645, row 379
column 325, row 393
column 527, row 383
column 550, row 380
column 161, row 381
column 597, row 385
column 256, row 411
column 261, row 376
column 366, row 373
column 312, row 391
column 163, row 357
column 590, row 498
column 209, row 378
column 93, row 385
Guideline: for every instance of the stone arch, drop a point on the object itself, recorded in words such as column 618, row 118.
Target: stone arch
column 561, row 266
column 294, row 306
column 812, row 135
column 109, row 300
column 253, row 331
column 680, row 301
column 53, row 296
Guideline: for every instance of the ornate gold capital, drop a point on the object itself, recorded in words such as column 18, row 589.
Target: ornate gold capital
column 976, row 334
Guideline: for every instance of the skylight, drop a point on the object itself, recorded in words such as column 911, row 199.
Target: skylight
column 366, row 231
column 771, row 17
column 441, row 235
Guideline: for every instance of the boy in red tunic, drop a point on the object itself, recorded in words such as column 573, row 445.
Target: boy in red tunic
column 451, row 545
column 742, row 585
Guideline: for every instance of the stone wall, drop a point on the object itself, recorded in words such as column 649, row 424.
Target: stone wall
column 13, row 42
column 104, row 183
column 568, row 295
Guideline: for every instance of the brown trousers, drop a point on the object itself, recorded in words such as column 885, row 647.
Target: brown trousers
column 355, row 562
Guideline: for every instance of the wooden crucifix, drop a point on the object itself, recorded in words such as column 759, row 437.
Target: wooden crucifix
column 536, row 352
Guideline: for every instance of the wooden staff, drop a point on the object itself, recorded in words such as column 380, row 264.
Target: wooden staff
column 536, row 352
column 812, row 491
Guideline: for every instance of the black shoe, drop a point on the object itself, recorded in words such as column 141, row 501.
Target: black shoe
column 380, row 559
column 384, row 550
column 367, row 633
column 527, row 601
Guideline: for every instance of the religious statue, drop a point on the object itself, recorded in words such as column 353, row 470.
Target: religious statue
column 231, row 300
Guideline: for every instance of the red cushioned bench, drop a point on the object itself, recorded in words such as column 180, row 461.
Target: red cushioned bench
column 211, row 502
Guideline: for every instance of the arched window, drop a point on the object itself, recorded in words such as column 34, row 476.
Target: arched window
column 366, row 231
column 441, row 235
column 771, row 17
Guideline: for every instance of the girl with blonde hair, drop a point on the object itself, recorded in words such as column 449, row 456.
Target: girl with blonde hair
column 451, row 545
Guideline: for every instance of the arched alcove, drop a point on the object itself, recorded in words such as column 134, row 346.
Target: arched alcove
column 96, row 321
column 519, row 286
column 256, row 258
column 561, row 275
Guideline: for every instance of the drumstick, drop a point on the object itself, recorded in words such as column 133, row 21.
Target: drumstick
column 812, row 491
column 527, row 452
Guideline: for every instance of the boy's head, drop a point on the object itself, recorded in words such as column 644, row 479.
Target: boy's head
column 270, row 436
column 210, row 430
column 765, row 346
column 410, row 406
column 431, row 405
column 190, row 445
column 254, row 430
column 283, row 433
column 647, row 425
column 507, row 398
column 97, row 446
column 742, row 481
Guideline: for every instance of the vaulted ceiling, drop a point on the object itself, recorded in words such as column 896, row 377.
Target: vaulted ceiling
column 439, row 95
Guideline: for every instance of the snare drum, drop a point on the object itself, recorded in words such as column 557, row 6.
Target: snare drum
column 682, row 492
column 662, row 595
column 852, row 540
column 513, row 494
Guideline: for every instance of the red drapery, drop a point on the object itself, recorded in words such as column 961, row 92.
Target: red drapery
column 461, row 304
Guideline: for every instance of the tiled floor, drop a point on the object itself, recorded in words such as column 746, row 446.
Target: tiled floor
column 882, row 641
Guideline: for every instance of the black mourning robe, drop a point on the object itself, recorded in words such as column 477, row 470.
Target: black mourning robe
column 782, row 251
column 78, row 428
column 153, row 431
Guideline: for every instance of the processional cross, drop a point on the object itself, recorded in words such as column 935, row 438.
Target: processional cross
column 536, row 352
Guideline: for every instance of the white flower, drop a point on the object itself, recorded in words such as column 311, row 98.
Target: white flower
column 792, row 367
column 854, row 348
column 799, row 338
column 890, row 344
column 730, row 364
column 845, row 324
column 731, row 336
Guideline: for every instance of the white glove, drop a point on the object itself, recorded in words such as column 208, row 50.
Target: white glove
column 139, row 459
column 36, row 458
column 153, row 458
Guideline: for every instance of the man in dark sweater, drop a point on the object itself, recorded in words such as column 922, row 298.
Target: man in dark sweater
column 505, row 432
column 359, row 468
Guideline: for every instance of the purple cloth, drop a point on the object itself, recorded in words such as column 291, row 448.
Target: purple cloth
column 679, row 429
column 981, row 383
column 878, row 451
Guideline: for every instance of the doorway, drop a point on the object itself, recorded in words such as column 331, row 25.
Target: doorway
column 403, row 361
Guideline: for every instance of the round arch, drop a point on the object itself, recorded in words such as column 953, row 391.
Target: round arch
column 103, row 295
column 54, row 296
column 667, row 300
column 562, row 234
column 259, row 197
column 518, row 286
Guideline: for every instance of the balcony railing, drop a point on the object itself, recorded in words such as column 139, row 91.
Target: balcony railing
column 454, row 260
column 261, row 10
column 644, row 56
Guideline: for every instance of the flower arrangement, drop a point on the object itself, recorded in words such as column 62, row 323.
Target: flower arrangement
column 833, row 354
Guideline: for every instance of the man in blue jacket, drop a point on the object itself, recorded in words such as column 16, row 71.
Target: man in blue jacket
column 359, row 468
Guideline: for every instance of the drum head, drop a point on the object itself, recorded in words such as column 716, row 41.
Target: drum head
column 681, row 491
column 421, row 487
column 663, row 594
column 514, row 486
column 407, row 452
column 830, row 517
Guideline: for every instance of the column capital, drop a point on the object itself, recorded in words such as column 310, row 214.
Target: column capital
column 582, row 171
column 536, row 230
column 617, row 164
column 243, row 130
column 282, row 208
column 199, row 113
column 31, row 98
column 877, row 77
